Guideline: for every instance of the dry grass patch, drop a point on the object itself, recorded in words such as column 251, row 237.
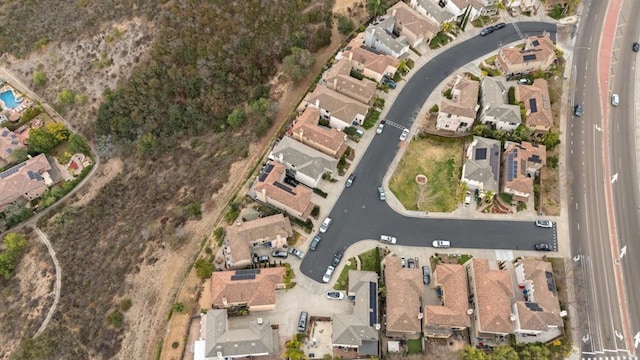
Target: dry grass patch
column 440, row 159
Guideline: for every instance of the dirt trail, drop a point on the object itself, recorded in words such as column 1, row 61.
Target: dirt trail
column 58, row 283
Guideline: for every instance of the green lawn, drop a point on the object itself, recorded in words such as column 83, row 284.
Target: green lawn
column 341, row 284
column 414, row 346
column 440, row 159
column 371, row 260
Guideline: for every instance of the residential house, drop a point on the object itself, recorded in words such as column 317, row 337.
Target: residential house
column 404, row 293
column 27, row 181
column 538, row 315
column 459, row 113
column 327, row 140
column 219, row 341
column 9, row 142
column 303, row 163
column 341, row 110
column 523, row 5
column 481, row 170
column 492, row 294
column 379, row 37
column 411, row 25
column 272, row 231
column 442, row 321
column 538, row 54
column 359, row 330
column 535, row 97
column 254, row 289
column 339, row 78
column 496, row 110
column 469, row 9
column 271, row 189
column 371, row 64
column 522, row 164
column 432, row 10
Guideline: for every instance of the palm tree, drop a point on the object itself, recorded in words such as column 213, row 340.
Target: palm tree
column 447, row 27
column 377, row 7
column 403, row 67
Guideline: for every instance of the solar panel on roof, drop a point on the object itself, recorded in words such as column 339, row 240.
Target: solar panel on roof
column 5, row 133
column 533, row 105
column 481, row 154
column 247, row 271
column 284, row 187
column 533, row 306
column 243, row 277
column 12, row 171
column 265, row 172
column 535, row 43
column 9, row 150
column 550, row 283
column 494, row 161
column 529, row 57
column 373, row 303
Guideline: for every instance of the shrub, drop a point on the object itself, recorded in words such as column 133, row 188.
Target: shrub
column 175, row 345
column 178, row 307
column 316, row 211
column 434, row 109
column 552, row 161
column 125, row 304
column 115, row 319
column 14, row 245
column 345, row 25
column 320, row 192
column 204, row 268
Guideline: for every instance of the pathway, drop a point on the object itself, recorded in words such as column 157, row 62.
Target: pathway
column 58, row 285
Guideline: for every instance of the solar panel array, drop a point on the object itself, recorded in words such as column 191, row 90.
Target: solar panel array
column 284, row 187
column 12, row 171
column 5, row 133
column 512, row 166
column 535, row 43
column 533, row 105
column 34, row 175
column 494, row 160
column 550, row 283
column 246, row 274
column 481, row 153
column 373, row 303
column 529, row 57
column 533, row 306
column 265, row 172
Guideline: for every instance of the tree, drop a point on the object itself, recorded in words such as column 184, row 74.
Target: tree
column 447, row 27
column 78, row 144
column 296, row 65
column 534, row 352
column 293, row 351
column 41, row 141
column 551, row 139
column 19, row 155
column 471, row 353
column 39, row 78
column 345, row 25
column 377, row 7
column 504, row 353
column 59, row 131
column 204, row 268
column 236, row 118
column 403, row 67
column 66, row 97
column 14, row 244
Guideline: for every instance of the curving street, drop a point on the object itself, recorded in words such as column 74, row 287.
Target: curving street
column 359, row 214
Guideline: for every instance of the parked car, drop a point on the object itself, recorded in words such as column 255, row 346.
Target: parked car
column 297, row 253
column 389, row 82
column 577, row 110
column 260, row 259
column 615, row 99
column 499, row 26
column 467, row 199
column 380, row 128
column 388, row 239
column 279, row 254
column 315, row 242
column 404, row 135
column 486, row 31
column 328, row 273
column 636, row 47
column 542, row 247
column 325, row 225
column 426, row 275
column 302, row 321
column 544, row 223
column 381, row 194
column 441, row 244
column 350, row 180
column 337, row 257
column 411, row 263
column 335, row 295
column 403, row 261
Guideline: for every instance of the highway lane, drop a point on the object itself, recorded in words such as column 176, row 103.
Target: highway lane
column 600, row 315
column 359, row 214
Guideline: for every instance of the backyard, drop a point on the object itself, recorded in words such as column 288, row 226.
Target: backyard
column 440, row 160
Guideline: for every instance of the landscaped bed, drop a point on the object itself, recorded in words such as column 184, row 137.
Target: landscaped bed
column 440, row 159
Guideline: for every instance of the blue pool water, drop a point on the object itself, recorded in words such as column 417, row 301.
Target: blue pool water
column 8, row 99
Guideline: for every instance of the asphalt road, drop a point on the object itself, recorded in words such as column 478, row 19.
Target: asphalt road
column 359, row 214
column 600, row 314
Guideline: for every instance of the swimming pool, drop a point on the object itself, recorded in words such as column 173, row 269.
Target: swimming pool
column 8, row 99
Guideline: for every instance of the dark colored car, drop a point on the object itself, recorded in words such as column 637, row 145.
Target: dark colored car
column 315, row 242
column 426, row 275
column 499, row 26
column 486, row 31
column 338, row 257
column 387, row 81
column 542, row 247
column 279, row 254
column 412, row 263
column 577, row 110
column 636, row 47
column 350, row 180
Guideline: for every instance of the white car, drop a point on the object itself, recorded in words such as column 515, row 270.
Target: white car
column 441, row 244
column 388, row 239
column 467, row 199
column 327, row 274
column 615, row 99
column 335, row 295
column 325, row 225
column 544, row 224
column 381, row 194
column 379, row 129
column 297, row 253
column 404, row 135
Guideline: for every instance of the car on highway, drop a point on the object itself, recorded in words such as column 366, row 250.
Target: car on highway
column 544, row 223
column 426, row 275
column 325, row 225
column 381, row 194
column 297, row 253
column 315, row 242
column 337, row 257
column 404, row 135
column 441, row 244
column 279, row 254
column 328, row 273
column 388, row 239
column 577, row 110
column 542, row 247
column 486, row 31
column 499, row 26
column 615, row 99
column 260, row 259
column 636, row 47
column 380, row 128
column 335, row 295
column 350, row 181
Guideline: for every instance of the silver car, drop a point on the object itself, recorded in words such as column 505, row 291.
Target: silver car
column 379, row 129
column 404, row 135
column 544, row 224
column 327, row 274
column 325, row 225
column 388, row 239
column 381, row 194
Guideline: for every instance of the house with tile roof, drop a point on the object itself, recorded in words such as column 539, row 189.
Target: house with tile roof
column 303, row 163
column 254, row 289
column 370, row 63
column 481, row 170
column 537, row 103
column 9, row 142
column 433, row 11
column 270, row 189
column 25, row 181
column 341, row 110
column 219, row 341
column 524, row 5
column 327, row 140
column 404, row 292
column 379, row 36
column 539, row 53
column 521, row 165
column 359, row 330
column 339, row 78
column 417, row 29
column 538, row 314
column 454, row 314
column 272, row 231
column 492, row 294
column 496, row 110
column 459, row 112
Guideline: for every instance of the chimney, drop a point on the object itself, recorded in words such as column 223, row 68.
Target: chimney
column 394, row 13
column 224, row 302
column 239, row 223
column 513, row 317
column 259, row 320
column 350, row 55
column 317, row 103
column 335, row 83
column 281, row 158
column 469, row 312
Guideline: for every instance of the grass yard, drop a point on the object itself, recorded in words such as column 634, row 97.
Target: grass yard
column 440, row 159
column 341, row 283
column 414, row 346
column 370, row 260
